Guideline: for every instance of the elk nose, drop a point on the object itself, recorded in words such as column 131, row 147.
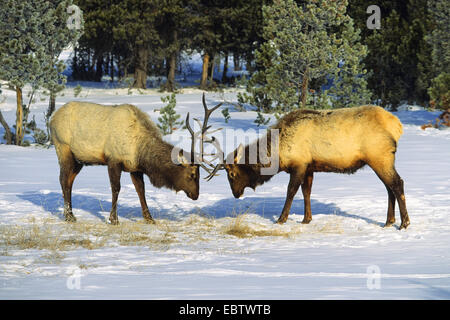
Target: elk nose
column 193, row 196
column 237, row 194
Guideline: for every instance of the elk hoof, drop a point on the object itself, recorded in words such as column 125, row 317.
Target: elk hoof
column 404, row 224
column 388, row 224
column 149, row 221
column 306, row 221
column 281, row 220
column 69, row 217
column 114, row 222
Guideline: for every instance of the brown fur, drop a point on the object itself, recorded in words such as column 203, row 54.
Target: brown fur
column 123, row 138
column 341, row 141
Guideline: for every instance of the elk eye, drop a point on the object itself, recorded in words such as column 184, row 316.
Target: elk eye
column 193, row 176
column 232, row 175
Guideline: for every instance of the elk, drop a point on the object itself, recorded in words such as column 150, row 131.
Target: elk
column 124, row 139
column 341, row 141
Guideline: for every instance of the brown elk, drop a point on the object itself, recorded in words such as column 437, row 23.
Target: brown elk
column 124, row 139
column 341, row 141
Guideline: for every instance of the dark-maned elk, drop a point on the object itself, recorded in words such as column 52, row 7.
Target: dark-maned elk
column 125, row 139
column 342, row 141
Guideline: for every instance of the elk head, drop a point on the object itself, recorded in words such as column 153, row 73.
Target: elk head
column 238, row 173
column 187, row 177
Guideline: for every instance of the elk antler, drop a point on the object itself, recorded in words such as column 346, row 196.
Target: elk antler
column 215, row 168
column 204, row 163
column 193, row 138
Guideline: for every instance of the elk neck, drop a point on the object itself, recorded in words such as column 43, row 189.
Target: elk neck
column 156, row 162
column 263, row 158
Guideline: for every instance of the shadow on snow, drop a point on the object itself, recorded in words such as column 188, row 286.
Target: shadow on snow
column 266, row 207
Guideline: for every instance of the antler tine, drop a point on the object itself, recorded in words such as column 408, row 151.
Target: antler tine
column 206, row 168
column 188, row 126
column 201, row 124
column 219, row 154
column 207, row 113
column 204, row 126
column 214, row 131
column 213, row 173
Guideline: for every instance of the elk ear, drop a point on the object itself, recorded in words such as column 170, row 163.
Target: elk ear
column 182, row 159
column 239, row 154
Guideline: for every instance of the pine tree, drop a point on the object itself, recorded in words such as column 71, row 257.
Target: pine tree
column 241, row 30
column 135, row 26
column 305, row 45
column 169, row 119
column 8, row 134
column 174, row 29
column 439, row 41
column 208, row 22
column 399, row 57
column 257, row 93
column 97, row 39
column 349, row 88
column 421, row 62
column 32, row 34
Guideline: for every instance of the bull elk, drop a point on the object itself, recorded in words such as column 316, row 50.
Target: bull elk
column 341, row 141
column 124, row 139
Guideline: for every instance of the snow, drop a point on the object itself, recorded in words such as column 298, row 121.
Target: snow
column 219, row 247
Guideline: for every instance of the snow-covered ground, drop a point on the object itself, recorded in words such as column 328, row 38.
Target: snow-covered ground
column 219, row 247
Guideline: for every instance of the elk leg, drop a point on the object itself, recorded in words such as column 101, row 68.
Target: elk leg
column 398, row 189
column 69, row 168
column 390, row 220
column 394, row 187
column 114, row 171
column 294, row 183
column 306, row 190
column 138, row 181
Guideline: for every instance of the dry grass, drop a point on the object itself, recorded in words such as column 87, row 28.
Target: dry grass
column 56, row 236
column 60, row 236
column 38, row 236
column 241, row 229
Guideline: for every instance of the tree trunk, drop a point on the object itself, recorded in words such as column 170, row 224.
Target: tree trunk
column 171, row 74
column 111, row 67
column 212, row 65
column 50, row 110
column 172, row 64
column 225, row 68
column 8, row 135
column 140, row 68
column 305, row 88
column 248, row 65
column 119, row 68
column 204, row 79
column 237, row 62
column 51, row 104
column 99, row 68
column 19, row 117
column 75, row 68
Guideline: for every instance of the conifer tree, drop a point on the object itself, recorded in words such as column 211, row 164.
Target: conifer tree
column 399, row 57
column 33, row 33
column 349, row 86
column 174, row 29
column 305, row 44
column 97, row 39
column 439, row 41
column 135, row 25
